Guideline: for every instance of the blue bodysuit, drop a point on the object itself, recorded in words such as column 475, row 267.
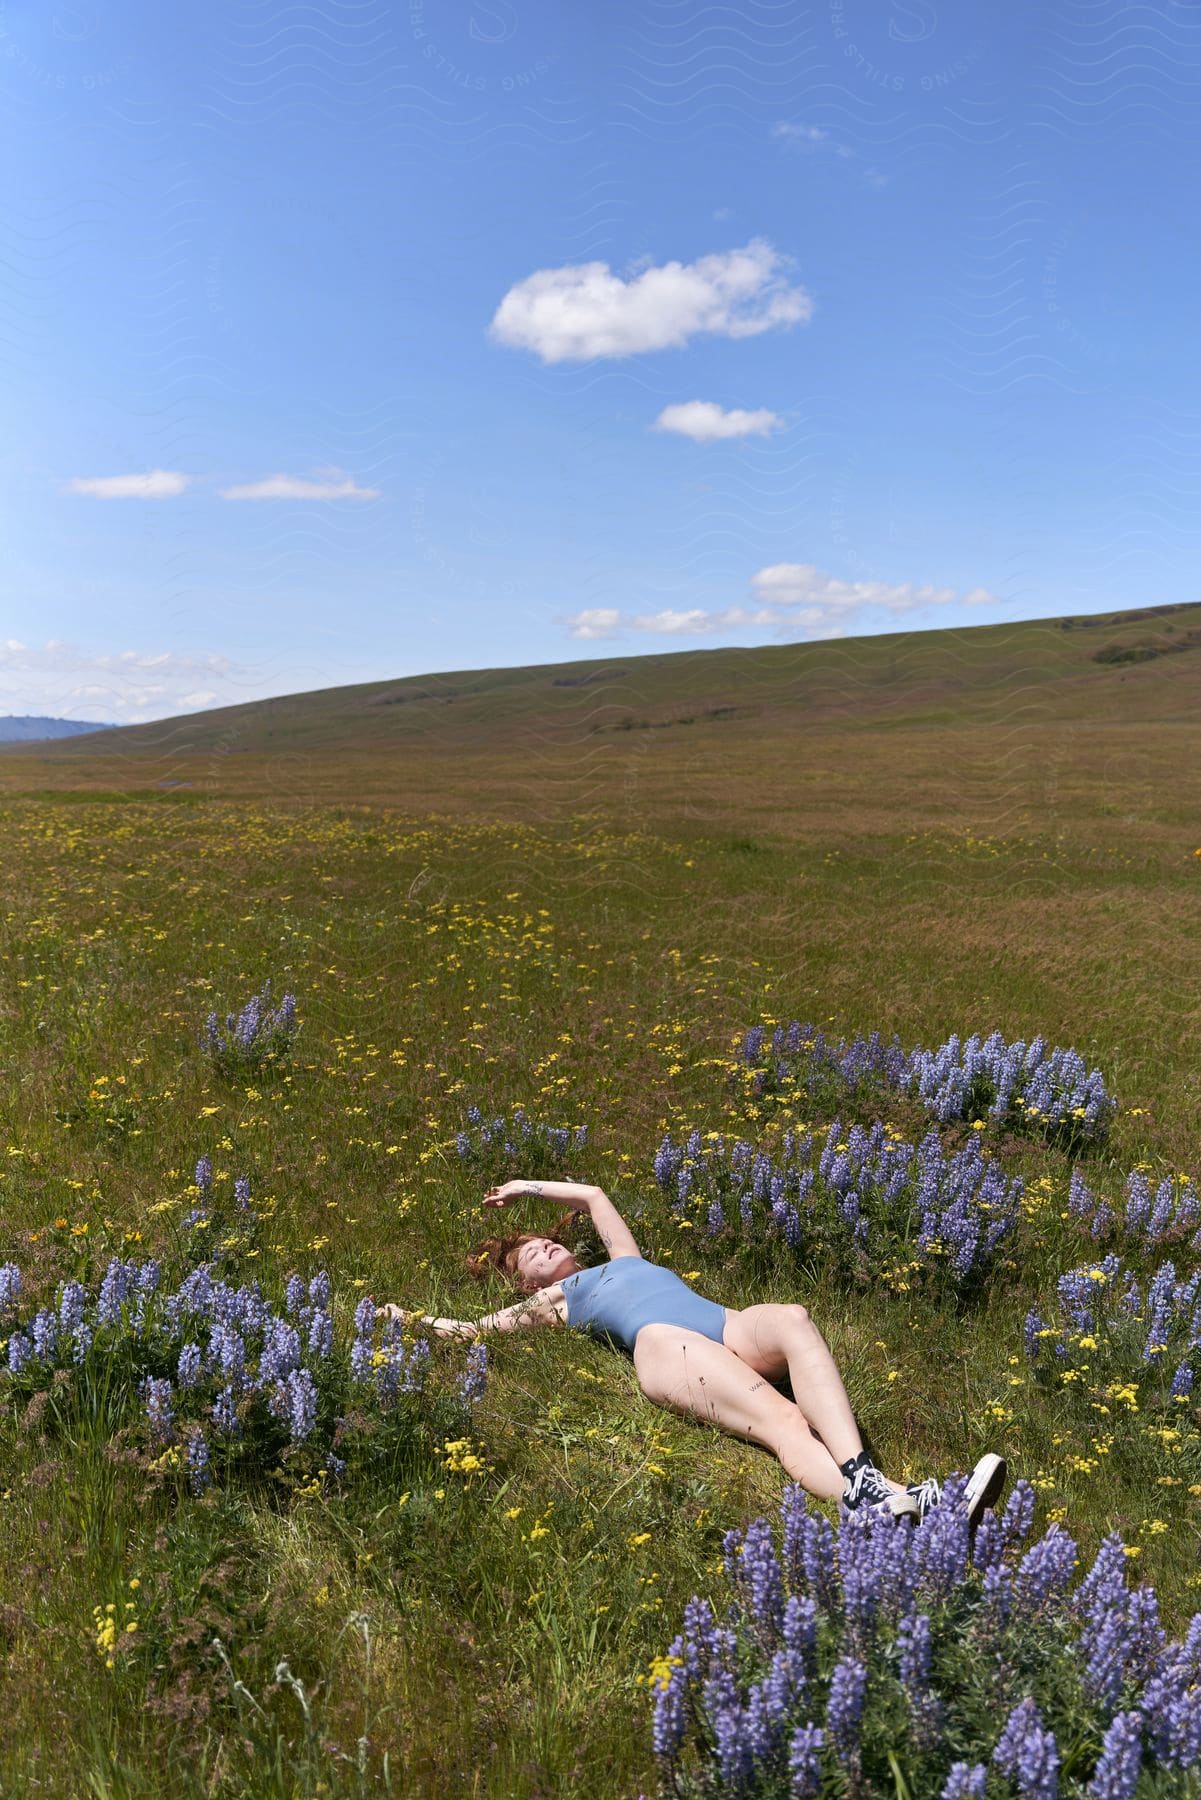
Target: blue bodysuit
column 616, row 1298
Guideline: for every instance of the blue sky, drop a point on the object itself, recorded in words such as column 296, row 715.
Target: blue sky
column 355, row 340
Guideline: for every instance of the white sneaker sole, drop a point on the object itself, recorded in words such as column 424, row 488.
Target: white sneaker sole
column 898, row 1506
column 984, row 1485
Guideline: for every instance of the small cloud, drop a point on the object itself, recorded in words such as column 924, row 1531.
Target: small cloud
column 596, row 623
column 722, row 213
column 330, row 484
column 815, row 139
column 585, row 310
column 159, row 484
column 792, row 599
column 809, row 137
column 705, row 422
column 63, row 680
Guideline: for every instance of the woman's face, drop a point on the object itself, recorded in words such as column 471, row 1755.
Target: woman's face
column 541, row 1261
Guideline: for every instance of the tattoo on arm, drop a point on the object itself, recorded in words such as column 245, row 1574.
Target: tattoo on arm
column 755, row 1384
column 533, row 1187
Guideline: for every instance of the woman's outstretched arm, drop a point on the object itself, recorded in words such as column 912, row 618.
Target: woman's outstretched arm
column 534, row 1309
column 582, row 1196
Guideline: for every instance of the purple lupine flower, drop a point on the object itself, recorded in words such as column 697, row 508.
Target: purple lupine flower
column 416, row 1368
column 800, row 1630
column 199, row 1472
column 114, row 1290
column 844, row 1709
column 1046, row 1569
column 227, row 1352
column 225, row 1413
column 1148, row 1639
column 474, row 1383
column 1033, row 1344
column 926, row 1710
column 1121, row 1760
column 19, row 1352
column 804, row 1762
column 242, row 1193
column 362, row 1354
column 671, row 1712
column 204, row 1174
column 1018, row 1516
column 1182, row 1382
column 189, row 1366
column 1105, row 1584
column 10, row 1285
column 700, row 1637
column 70, row 1306
column 758, row 1575
column 997, row 1588
column 81, row 1341
column 989, row 1545
column 301, row 1392
column 321, row 1333
column 281, row 1351
column 294, row 1294
column 157, row 1394
column 942, row 1541
column 965, row 1782
column 808, row 1547
column 1173, row 1719
column 860, row 1575
column 44, row 1332
column 1028, row 1751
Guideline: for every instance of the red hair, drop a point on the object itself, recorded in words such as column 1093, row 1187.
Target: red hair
column 500, row 1253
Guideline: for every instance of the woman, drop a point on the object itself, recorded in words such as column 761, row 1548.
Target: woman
column 709, row 1361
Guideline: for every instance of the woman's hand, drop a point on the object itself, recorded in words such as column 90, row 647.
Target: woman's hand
column 403, row 1314
column 443, row 1328
column 509, row 1190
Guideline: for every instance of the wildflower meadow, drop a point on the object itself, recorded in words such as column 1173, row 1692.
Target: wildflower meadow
column 263, row 1056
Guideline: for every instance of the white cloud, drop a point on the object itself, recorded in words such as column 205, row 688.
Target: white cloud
column 584, row 310
column 331, row 484
column 705, row 422
column 794, row 584
column 599, row 621
column 159, row 484
column 61, row 680
column 794, row 599
column 809, row 137
column 816, row 140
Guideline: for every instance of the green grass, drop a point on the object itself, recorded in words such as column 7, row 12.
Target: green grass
column 505, row 900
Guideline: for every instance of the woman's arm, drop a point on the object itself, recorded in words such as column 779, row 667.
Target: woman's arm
column 576, row 1194
column 582, row 1196
column 534, row 1309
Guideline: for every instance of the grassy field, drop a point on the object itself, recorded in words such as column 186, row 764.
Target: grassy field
column 569, row 889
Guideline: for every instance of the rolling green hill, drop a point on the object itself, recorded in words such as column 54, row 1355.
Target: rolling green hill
column 994, row 717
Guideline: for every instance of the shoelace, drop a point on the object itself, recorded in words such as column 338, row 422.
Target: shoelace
column 867, row 1483
column 927, row 1494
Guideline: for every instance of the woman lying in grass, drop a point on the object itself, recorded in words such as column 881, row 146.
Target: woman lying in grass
column 708, row 1361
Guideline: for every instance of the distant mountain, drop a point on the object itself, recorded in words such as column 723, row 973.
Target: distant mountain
column 14, row 729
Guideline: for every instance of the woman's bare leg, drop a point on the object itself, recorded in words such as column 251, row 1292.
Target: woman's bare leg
column 692, row 1374
column 777, row 1337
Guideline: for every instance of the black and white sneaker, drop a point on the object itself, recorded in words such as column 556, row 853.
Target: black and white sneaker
column 868, row 1488
column 983, row 1488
